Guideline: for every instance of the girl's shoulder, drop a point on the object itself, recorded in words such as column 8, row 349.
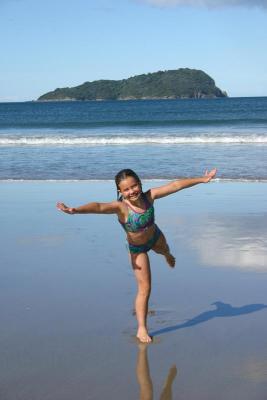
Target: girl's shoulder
column 122, row 209
column 148, row 196
column 121, row 205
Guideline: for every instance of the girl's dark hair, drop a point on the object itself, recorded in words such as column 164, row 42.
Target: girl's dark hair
column 123, row 174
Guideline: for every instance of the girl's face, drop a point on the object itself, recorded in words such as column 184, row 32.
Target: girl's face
column 130, row 188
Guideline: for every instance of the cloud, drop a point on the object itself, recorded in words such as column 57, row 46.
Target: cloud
column 208, row 3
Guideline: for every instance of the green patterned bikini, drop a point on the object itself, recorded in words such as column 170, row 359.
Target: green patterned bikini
column 138, row 222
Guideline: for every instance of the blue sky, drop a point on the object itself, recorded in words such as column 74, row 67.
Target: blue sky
column 45, row 45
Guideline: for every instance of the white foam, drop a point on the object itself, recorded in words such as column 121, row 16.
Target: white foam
column 129, row 140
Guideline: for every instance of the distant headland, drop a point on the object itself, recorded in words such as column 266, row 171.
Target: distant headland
column 183, row 83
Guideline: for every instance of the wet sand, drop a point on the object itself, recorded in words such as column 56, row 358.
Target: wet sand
column 67, row 290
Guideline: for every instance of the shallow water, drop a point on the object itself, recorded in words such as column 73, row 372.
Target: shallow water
column 93, row 140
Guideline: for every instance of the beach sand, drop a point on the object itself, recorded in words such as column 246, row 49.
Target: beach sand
column 67, row 291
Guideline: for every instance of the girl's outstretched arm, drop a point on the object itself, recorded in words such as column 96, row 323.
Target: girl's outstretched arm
column 92, row 208
column 175, row 186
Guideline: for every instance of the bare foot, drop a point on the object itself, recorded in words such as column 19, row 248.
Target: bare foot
column 143, row 335
column 170, row 260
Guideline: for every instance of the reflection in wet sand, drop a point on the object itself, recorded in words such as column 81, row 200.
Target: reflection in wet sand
column 144, row 378
column 236, row 241
column 255, row 371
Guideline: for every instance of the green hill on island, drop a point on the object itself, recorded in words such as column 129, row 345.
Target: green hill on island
column 180, row 83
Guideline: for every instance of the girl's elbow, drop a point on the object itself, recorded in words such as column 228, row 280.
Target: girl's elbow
column 97, row 208
column 102, row 209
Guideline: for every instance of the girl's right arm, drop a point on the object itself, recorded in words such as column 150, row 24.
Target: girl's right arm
column 114, row 207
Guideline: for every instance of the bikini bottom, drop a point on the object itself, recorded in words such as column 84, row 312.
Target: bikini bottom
column 144, row 248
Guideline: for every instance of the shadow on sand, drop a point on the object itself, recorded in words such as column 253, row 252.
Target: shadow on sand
column 222, row 310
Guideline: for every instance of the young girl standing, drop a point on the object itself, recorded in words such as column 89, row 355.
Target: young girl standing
column 135, row 211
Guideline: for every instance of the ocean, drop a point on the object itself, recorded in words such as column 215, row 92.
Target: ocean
column 159, row 139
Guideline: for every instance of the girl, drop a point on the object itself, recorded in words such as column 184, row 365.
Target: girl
column 135, row 212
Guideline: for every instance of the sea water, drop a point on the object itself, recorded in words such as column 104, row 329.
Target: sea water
column 162, row 139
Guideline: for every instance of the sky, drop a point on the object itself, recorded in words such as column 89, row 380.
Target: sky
column 56, row 43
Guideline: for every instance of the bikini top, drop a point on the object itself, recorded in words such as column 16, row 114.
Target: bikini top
column 139, row 221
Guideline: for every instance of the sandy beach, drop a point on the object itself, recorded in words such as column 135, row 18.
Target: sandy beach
column 67, row 291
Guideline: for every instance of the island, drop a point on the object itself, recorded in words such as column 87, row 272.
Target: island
column 172, row 84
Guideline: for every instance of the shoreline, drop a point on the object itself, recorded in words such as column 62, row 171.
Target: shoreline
column 83, row 101
column 202, row 97
column 216, row 180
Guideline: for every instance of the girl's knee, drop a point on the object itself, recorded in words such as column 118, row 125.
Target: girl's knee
column 144, row 289
column 161, row 247
column 144, row 285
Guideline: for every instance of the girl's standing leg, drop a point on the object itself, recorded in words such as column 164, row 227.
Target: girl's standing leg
column 141, row 266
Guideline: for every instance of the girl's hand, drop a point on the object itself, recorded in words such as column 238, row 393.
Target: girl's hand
column 210, row 175
column 65, row 209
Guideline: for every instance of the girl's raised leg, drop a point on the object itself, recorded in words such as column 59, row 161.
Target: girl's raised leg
column 161, row 247
column 141, row 267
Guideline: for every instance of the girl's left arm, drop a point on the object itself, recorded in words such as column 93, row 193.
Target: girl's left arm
column 175, row 186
